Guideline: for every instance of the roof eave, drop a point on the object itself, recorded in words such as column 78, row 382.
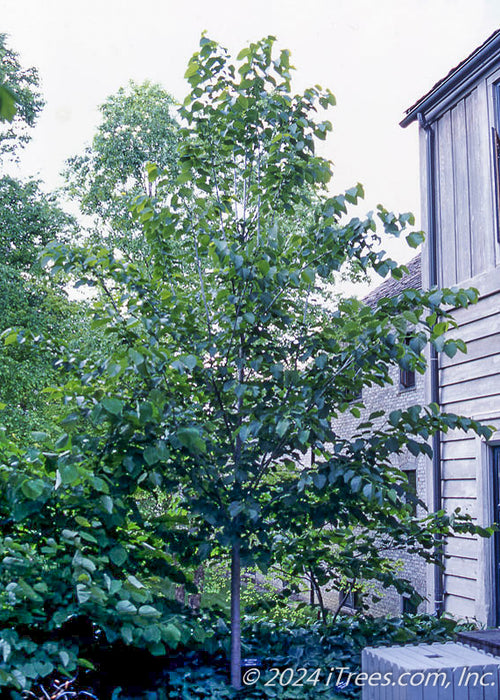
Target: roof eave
column 467, row 72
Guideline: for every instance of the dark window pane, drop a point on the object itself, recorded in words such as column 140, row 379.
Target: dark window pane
column 411, row 475
column 406, row 378
column 407, row 606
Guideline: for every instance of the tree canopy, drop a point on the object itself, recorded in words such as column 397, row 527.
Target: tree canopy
column 227, row 376
column 29, row 301
column 224, row 371
column 138, row 127
column 20, row 101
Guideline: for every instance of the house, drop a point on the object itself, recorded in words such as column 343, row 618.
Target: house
column 459, row 130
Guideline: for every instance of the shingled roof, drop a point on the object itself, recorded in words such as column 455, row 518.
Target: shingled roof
column 477, row 61
column 391, row 287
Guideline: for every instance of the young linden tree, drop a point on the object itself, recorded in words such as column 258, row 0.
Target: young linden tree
column 228, row 370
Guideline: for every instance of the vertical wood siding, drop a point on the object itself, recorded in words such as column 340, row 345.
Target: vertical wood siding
column 466, row 225
column 466, row 221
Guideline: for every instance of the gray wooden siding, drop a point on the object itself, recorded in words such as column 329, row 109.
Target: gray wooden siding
column 466, row 223
column 469, row 385
column 468, row 254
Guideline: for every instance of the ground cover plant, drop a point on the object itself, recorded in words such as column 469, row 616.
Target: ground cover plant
column 273, row 648
column 224, row 369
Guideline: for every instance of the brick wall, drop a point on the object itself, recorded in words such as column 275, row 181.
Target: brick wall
column 389, row 398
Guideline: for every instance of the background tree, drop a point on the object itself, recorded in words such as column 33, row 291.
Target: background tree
column 19, row 84
column 29, row 300
column 223, row 380
column 138, row 127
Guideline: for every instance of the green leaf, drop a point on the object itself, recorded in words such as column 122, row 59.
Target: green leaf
column 149, row 611
column 282, row 427
column 450, row 348
column 118, row 555
column 8, row 107
column 127, row 633
column 157, row 649
column 113, row 406
column 235, row 508
column 414, row 447
column 192, row 69
column 39, row 436
column 243, row 54
column 6, row 649
column 82, row 593
column 28, row 591
column 33, row 488
column 368, row 491
column 151, row 455
column 85, row 663
column 319, row 480
column 69, row 473
column 11, row 338
column 307, row 275
column 415, row 238
column 395, row 417
column 152, row 633
column 135, row 581
column 43, row 668
column 126, row 607
column 107, row 502
column 171, row 635
column 264, row 267
column 190, row 361
column 191, row 439
column 64, row 656
column 304, row 436
column 355, row 484
column 99, row 484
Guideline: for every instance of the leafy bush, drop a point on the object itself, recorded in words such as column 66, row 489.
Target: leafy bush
column 78, row 572
column 278, row 645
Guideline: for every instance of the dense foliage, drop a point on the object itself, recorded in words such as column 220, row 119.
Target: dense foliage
column 20, row 100
column 137, row 128
column 226, row 372
column 29, row 300
column 187, row 437
column 280, row 646
column 271, row 648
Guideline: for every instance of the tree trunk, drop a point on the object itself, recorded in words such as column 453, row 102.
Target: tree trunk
column 194, row 600
column 235, row 617
column 180, row 594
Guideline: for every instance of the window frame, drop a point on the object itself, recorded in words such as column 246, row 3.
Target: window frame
column 407, row 607
column 495, row 148
column 407, row 377
column 495, row 137
column 413, row 484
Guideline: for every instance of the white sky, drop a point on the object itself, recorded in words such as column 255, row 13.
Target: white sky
column 377, row 57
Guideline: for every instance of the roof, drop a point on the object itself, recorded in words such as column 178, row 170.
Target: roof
column 392, row 287
column 477, row 62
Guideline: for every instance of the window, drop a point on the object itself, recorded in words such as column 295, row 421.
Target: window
column 496, row 164
column 407, row 606
column 495, row 138
column 406, row 376
column 406, row 379
column 411, row 476
column 351, row 600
